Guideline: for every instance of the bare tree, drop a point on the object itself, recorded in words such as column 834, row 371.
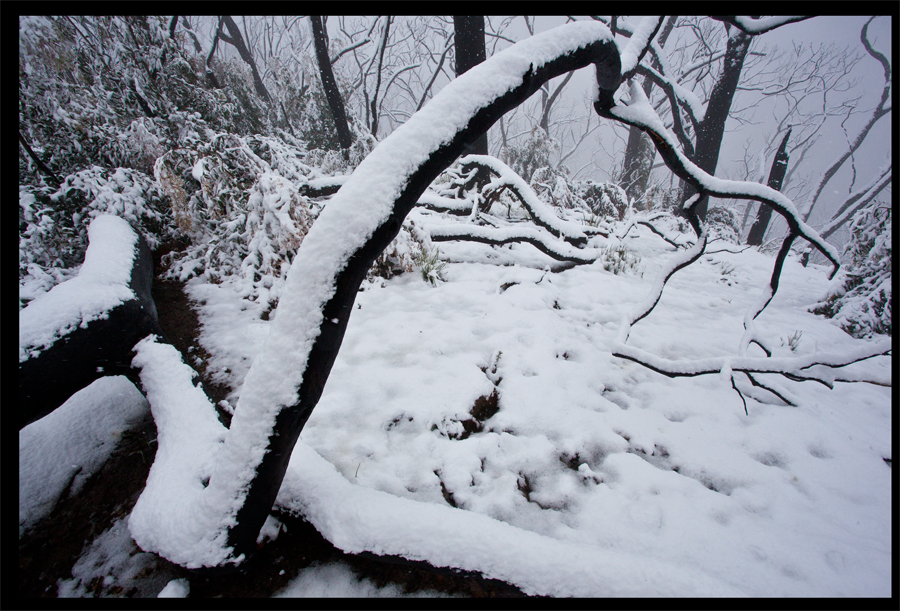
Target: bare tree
column 226, row 489
column 332, row 93
column 776, row 176
column 237, row 41
column 877, row 113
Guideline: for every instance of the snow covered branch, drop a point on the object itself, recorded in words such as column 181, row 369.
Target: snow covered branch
column 639, row 113
column 541, row 240
column 85, row 328
column 289, row 373
column 541, row 213
column 800, row 368
column 639, row 44
column 759, row 25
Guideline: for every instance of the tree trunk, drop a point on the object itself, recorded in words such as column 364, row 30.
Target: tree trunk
column 266, row 481
column 776, row 176
column 374, row 103
column 468, row 35
column 332, row 93
column 712, row 128
column 639, row 154
column 238, row 42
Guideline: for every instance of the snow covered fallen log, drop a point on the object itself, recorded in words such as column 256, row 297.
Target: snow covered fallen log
column 85, row 328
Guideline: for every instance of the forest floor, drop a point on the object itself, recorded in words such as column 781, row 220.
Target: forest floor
column 49, row 551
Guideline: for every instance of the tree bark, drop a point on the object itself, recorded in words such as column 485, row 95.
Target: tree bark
column 237, row 41
column 776, row 177
column 40, row 164
column 332, row 93
column 712, row 128
column 374, row 103
column 468, row 33
column 102, row 347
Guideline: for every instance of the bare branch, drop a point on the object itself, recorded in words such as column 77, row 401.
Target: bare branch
column 879, row 112
column 447, row 47
column 797, row 368
column 349, row 48
column 542, row 240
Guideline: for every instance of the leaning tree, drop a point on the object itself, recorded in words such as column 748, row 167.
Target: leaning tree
column 211, row 489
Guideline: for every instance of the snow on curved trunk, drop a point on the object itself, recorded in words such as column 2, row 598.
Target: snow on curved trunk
column 218, row 517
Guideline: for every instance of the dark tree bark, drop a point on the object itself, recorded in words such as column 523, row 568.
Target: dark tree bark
column 712, row 128
column 468, row 33
column 374, row 103
column 332, row 93
column 237, row 41
column 776, row 177
column 143, row 103
column 210, row 75
column 102, row 348
column 187, row 27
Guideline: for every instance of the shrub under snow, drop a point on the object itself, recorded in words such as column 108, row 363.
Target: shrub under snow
column 860, row 299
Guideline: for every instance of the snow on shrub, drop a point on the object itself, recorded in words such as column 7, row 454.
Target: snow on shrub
column 404, row 254
column 860, row 298
column 603, row 199
column 242, row 210
column 53, row 224
column 722, row 222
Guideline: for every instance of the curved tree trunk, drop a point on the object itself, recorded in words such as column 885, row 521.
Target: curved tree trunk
column 323, row 283
column 336, row 311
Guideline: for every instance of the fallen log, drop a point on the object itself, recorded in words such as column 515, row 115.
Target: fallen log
column 86, row 327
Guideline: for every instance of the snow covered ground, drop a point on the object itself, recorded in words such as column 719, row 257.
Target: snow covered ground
column 596, row 455
column 591, row 475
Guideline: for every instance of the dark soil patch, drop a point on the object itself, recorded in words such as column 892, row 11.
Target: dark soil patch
column 48, row 552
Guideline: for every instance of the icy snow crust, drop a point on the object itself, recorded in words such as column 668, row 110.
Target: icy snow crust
column 101, row 284
column 362, row 204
